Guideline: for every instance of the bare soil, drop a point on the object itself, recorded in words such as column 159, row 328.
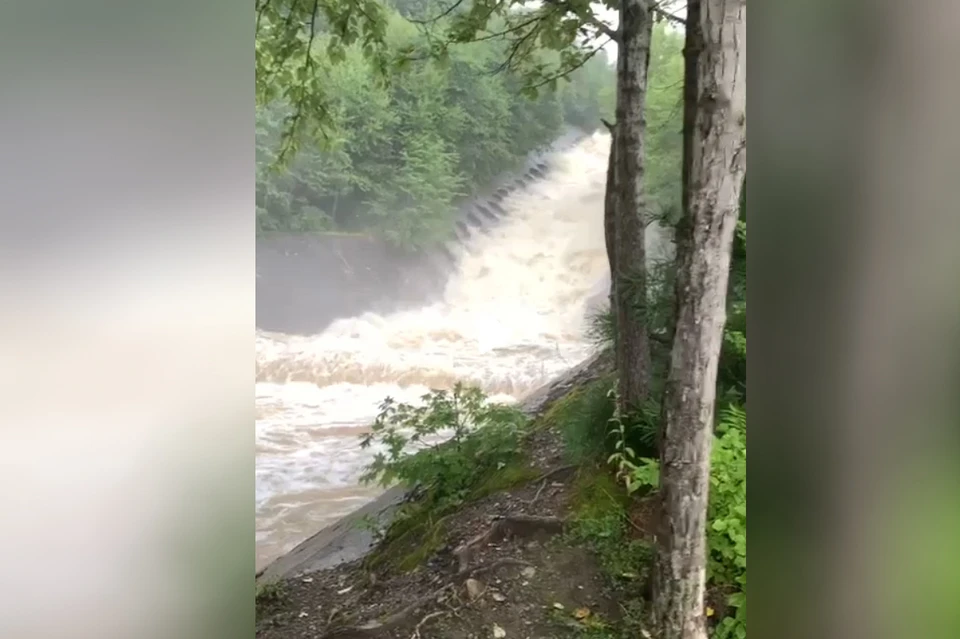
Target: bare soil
column 505, row 570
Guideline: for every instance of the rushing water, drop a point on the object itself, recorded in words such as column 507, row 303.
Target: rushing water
column 512, row 317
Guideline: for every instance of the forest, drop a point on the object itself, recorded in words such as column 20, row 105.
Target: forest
column 655, row 443
column 396, row 156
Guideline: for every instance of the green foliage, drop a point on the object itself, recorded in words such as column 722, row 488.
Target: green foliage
column 485, row 437
column 727, row 510
column 727, row 514
column 581, row 417
column 288, row 69
column 600, row 523
column 602, row 325
column 664, row 114
column 584, row 418
column 270, row 597
column 732, row 372
column 635, row 471
column 391, row 148
column 481, row 456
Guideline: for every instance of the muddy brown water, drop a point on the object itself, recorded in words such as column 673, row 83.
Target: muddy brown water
column 512, row 317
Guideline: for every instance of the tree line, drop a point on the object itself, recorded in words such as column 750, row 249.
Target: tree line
column 398, row 152
column 539, row 46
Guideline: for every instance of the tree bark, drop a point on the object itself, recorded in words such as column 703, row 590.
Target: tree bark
column 717, row 163
column 693, row 45
column 630, row 288
column 610, row 198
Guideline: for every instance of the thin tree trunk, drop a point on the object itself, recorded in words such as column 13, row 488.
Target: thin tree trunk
column 716, row 171
column 610, row 199
column 632, row 344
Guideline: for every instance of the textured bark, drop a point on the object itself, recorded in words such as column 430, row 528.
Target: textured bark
column 693, row 45
column 632, row 345
column 610, row 198
column 717, row 163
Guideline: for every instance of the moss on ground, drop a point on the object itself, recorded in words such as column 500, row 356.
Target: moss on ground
column 269, row 598
column 509, row 476
column 415, row 534
column 601, row 521
column 582, row 418
column 420, row 529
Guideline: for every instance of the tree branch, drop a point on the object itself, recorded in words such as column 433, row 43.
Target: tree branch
column 517, row 46
column 588, row 18
column 507, row 31
column 442, row 15
column 666, row 15
column 570, row 70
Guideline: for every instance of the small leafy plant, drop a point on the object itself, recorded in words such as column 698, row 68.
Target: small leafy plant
column 727, row 508
column 727, row 517
column 635, row 472
column 480, row 437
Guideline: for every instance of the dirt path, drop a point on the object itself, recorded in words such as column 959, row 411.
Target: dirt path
column 505, row 570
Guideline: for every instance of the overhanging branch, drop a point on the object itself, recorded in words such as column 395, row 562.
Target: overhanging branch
column 588, row 18
column 666, row 15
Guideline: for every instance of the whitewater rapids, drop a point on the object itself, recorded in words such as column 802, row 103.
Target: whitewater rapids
column 513, row 316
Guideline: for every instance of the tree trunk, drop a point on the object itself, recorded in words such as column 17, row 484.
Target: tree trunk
column 693, row 45
column 716, row 171
column 610, row 198
column 632, row 344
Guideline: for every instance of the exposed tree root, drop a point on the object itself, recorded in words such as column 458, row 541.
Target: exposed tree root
column 543, row 485
column 504, row 528
column 510, row 526
column 432, row 615
column 371, row 628
column 556, row 471
column 542, row 480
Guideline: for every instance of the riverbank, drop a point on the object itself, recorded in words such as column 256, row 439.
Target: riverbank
column 348, row 540
column 513, row 562
column 545, row 544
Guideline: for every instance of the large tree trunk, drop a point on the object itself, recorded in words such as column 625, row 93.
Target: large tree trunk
column 693, row 46
column 716, row 171
column 630, row 289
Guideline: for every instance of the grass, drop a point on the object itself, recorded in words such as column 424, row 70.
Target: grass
column 515, row 474
column 582, row 418
column 601, row 522
column 415, row 534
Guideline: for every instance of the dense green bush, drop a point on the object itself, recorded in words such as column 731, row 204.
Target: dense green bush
column 484, row 437
column 727, row 530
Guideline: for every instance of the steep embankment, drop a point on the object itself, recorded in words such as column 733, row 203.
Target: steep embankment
column 306, row 281
column 347, row 541
column 504, row 562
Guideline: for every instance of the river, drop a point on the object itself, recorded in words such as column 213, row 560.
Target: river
column 512, row 317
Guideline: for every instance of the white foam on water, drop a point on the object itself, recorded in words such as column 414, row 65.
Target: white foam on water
column 513, row 316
